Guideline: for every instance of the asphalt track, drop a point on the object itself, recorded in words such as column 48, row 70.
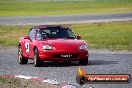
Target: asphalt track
column 66, row 19
column 100, row 62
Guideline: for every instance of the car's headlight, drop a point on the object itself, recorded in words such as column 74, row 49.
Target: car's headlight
column 83, row 47
column 47, row 47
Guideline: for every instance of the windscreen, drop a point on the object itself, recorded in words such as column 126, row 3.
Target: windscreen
column 43, row 33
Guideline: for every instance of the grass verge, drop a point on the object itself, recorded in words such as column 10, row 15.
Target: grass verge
column 111, row 35
column 42, row 7
column 12, row 82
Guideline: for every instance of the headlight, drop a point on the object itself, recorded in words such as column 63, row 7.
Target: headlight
column 83, row 47
column 47, row 47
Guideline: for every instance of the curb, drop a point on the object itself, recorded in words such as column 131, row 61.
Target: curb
column 45, row 80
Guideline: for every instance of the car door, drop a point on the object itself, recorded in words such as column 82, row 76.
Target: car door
column 29, row 44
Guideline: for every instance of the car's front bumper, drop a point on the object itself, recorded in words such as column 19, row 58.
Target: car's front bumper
column 56, row 55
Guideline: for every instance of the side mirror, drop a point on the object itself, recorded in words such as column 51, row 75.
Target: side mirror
column 78, row 37
column 26, row 37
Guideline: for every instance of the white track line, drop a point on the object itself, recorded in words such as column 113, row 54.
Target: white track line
column 22, row 76
column 54, row 82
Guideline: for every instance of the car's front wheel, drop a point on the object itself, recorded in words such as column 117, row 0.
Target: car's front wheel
column 83, row 61
column 21, row 59
column 37, row 61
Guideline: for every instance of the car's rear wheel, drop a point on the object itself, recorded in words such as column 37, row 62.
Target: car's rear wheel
column 83, row 61
column 37, row 61
column 21, row 59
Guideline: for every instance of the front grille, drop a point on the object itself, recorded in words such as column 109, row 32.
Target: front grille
column 66, row 56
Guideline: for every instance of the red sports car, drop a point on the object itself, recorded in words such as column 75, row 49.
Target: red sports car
column 52, row 43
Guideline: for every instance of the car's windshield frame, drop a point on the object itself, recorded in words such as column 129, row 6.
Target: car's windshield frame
column 44, row 33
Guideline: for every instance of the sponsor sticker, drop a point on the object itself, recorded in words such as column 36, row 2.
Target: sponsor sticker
column 83, row 78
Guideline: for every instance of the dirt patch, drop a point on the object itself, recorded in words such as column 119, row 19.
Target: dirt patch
column 12, row 82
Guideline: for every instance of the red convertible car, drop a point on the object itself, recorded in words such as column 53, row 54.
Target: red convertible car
column 52, row 43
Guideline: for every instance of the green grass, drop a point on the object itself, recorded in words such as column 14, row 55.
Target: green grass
column 113, row 35
column 2, row 80
column 9, row 35
column 34, row 7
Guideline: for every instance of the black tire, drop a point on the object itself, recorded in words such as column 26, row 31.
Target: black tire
column 83, row 61
column 21, row 59
column 37, row 61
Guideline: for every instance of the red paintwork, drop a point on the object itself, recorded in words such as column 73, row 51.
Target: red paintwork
column 60, row 46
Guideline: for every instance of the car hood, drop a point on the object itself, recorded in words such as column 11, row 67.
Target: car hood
column 64, row 44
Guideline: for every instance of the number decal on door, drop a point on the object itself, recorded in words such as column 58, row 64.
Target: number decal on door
column 27, row 47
